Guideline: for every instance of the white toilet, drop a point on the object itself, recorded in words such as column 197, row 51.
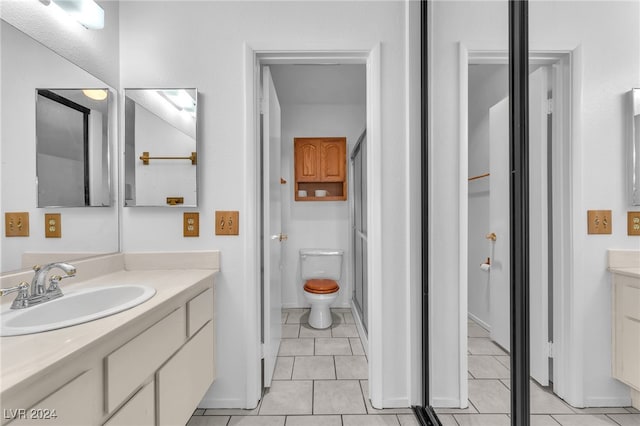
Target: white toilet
column 320, row 270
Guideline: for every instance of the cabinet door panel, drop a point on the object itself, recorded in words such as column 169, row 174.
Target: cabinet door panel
column 306, row 161
column 332, row 161
column 138, row 411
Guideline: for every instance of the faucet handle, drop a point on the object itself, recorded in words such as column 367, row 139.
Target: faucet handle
column 22, row 287
column 36, row 268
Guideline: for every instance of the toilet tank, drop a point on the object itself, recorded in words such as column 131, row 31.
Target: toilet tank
column 321, row 264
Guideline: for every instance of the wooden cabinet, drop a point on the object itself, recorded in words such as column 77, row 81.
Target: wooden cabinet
column 320, row 164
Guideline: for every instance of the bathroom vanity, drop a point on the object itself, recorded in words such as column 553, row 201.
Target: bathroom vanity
column 625, row 268
column 148, row 365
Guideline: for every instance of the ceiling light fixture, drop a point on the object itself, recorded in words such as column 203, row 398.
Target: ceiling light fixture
column 180, row 99
column 87, row 12
column 95, row 94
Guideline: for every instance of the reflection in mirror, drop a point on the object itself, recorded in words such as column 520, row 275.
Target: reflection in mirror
column 160, row 147
column 634, row 167
column 72, row 134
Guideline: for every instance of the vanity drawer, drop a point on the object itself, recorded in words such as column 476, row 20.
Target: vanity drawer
column 139, row 410
column 199, row 311
column 136, row 360
column 631, row 302
column 184, row 379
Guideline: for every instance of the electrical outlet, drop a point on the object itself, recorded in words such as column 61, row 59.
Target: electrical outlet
column 599, row 221
column 16, row 224
column 227, row 223
column 191, row 224
column 52, row 225
column 633, row 223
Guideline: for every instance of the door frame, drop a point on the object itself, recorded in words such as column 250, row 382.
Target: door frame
column 566, row 102
column 269, row 53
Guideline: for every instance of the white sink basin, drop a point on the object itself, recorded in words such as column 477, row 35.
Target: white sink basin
column 75, row 307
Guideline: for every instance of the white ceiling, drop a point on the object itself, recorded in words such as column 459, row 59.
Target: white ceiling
column 320, row 84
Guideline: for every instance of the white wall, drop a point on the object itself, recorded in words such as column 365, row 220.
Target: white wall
column 202, row 45
column 488, row 84
column 96, row 51
column 27, row 65
column 316, row 224
column 605, row 39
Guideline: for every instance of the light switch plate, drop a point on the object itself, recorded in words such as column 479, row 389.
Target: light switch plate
column 16, row 224
column 191, row 224
column 52, row 225
column 599, row 221
column 227, row 223
column 633, row 223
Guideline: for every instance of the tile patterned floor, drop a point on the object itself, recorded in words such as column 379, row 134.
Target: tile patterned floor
column 489, row 395
column 321, row 379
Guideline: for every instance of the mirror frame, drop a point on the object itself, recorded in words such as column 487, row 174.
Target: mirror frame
column 634, row 148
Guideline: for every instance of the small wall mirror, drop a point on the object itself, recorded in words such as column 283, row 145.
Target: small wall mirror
column 161, row 154
column 72, row 147
column 634, row 158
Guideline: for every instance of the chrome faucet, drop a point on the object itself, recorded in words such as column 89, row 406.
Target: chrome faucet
column 40, row 293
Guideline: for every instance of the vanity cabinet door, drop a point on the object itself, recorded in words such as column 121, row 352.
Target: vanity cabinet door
column 138, row 411
column 184, row 379
column 75, row 403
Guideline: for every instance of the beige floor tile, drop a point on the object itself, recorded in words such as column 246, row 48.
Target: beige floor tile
column 333, row 346
column 208, row 421
column 338, row 397
column 487, row 367
column 370, row 420
column 290, row 331
column 626, row 419
column 543, row 401
column 504, row 360
column 296, row 347
column 483, row 346
column 469, row 410
column 341, row 310
column 344, row 330
column 356, row 346
column 410, row 420
column 231, row 411
column 284, row 368
column 298, row 316
column 307, row 331
column 314, row 368
column 543, row 420
column 283, row 317
column 257, row 421
column 351, row 367
column 482, row 419
column 313, row 421
column 348, row 318
column 199, row 412
column 288, row 397
column 475, row 330
column 633, row 410
column 364, row 385
column 583, row 420
column 489, row 396
column 600, row 410
column 445, row 419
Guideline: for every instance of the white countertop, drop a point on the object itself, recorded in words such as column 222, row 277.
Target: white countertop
column 630, row 272
column 25, row 358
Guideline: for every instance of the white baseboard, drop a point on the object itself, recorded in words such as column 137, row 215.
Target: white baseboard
column 217, row 403
column 395, row 403
column 446, row 403
column 606, row 402
column 478, row 321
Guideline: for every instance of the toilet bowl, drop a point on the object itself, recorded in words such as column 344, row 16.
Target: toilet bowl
column 320, row 270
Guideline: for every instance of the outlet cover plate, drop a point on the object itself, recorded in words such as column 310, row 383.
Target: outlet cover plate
column 16, row 224
column 599, row 221
column 633, row 223
column 191, row 224
column 227, row 222
column 52, row 225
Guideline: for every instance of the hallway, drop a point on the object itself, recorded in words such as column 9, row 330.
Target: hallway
column 489, row 402
column 320, row 380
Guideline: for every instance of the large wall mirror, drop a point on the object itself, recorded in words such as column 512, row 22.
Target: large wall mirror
column 39, row 175
column 634, row 156
column 161, row 154
column 72, row 155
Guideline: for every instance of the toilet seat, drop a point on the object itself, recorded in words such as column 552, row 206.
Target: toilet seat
column 321, row 286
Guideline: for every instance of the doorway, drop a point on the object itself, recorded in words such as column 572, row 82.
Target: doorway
column 266, row 313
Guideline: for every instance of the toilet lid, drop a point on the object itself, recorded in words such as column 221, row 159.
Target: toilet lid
column 321, row 286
